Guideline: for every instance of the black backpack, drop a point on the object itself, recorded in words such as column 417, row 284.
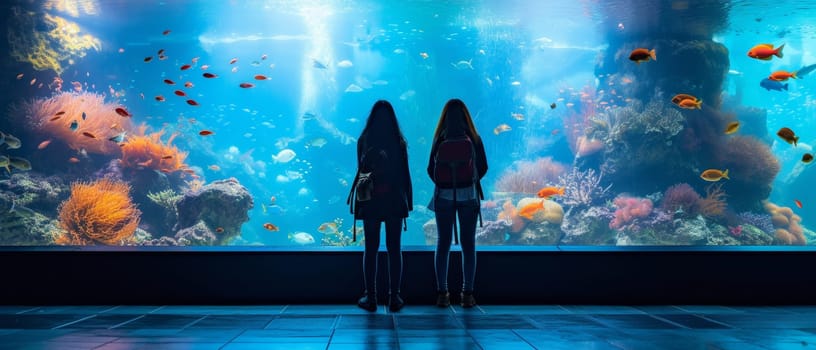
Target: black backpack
column 454, row 165
column 362, row 188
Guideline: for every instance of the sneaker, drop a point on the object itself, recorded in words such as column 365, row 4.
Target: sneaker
column 443, row 299
column 468, row 301
column 368, row 304
column 395, row 303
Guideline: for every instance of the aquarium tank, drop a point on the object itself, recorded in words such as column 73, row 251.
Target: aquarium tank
column 234, row 123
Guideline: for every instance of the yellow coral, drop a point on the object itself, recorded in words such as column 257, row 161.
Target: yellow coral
column 787, row 225
column 98, row 213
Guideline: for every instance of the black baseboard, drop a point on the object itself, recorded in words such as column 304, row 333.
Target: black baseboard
column 46, row 276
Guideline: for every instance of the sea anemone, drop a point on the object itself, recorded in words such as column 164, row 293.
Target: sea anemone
column 98, row 213
column 148, row 151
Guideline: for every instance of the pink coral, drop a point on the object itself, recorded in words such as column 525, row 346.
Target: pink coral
column 530, row 176
column 630, row 208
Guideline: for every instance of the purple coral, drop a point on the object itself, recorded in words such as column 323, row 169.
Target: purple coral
column 760, row 221
column 582, row 188
column 680, row 197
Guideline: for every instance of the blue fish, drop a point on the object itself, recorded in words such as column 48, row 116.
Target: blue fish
column 118, row 138
column 74, row 125
column 769, row 85
column 805, row 70
column 84, row 116
column 319, row 65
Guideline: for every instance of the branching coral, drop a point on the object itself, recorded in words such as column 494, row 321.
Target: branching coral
column 529, row 177
column 148, row 151
column 53, row 117
column 582, row 188
column 98, row 213
column 713, row 205
column 680, row 198
column 167, row 199
column 45, row 40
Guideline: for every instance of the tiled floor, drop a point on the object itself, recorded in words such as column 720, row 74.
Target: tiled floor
column 294, row 327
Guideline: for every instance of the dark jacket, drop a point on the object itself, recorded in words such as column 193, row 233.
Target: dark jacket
column 393, row 194
column 480, row 161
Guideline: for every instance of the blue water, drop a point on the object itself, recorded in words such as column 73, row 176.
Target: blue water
column 524, row 55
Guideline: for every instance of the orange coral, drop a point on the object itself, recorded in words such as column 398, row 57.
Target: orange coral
column 509, row 212
column 713, row 205
column 98, row 213
column 53, row 117
column 788, row 230
column 529, row 177
column 148, row 151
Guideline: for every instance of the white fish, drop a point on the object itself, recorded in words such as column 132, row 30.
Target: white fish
column 345, row 64
column 301, row 238
column 516, row 83
column 353, row 88
column 284, row 156
column 406, row 95
column 463, row 64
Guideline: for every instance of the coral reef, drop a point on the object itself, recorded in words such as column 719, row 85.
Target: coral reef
column 46, row 40
column 221, row 204
column 52, row 117
column 761, row 221
column 551, row 212
column 100, row 212
column 786, row 223
column 37, row 192
column 681, row 200
column 752, row 167
column 582, row 188
column 588, row 226
column 509, row 213
column 492, row 232
column 629, row 209
column 529, row 176
column 149, row 152
column 340, row 238
column 22, row 226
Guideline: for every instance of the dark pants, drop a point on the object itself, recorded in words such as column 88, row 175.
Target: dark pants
column 372, row 244
column 445, row 216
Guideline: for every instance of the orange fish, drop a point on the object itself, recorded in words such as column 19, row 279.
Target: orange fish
column 680, row 97
column 798, row 203
column 54, row 118
column 765, row 52
column 327, row 227
column 87, row 134
column 185, row 67
column 714, row 175
column 642, row 55
column 271, row 227
column 192, row 103
column 205, row 132
column 546, row 192
column 261, row 77
column 167, row 157
column 60, row 113
column 44, row 144
column 690, row 104
column 529, row 210
column 73, row 160
column 160, row 98
column 214, row 167
column 188, row 84
column 782, row 75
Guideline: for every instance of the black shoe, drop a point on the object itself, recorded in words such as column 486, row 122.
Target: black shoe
column 468, row 301
column 395, row 303
column 443, row 299
column 367, row 303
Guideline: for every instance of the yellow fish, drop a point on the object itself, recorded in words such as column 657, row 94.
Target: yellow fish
column 732, row 128
column 714, row 175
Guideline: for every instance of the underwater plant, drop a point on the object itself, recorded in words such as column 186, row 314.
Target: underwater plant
column 83, row 120
column 530, row 176
column 98, row 212
column 582, row 188
column 148, row 151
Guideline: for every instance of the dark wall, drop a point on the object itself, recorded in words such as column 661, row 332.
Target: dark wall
column 274, row 277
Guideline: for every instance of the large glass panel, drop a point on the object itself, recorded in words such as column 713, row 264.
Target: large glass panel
column 670, row 122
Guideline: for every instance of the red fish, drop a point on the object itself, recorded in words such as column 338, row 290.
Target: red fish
column 247, row 85
column 73, row 160
column 169, row 82
column 782, row 75
column 166, row 31
column 261, row 77
column 192, row 103
column 87, row 134
column 209, row 75
column 205, row 133
column 160, row 98
column 123, row 112
column 148, row 58
column 798, row 203
column 44, row 144
column 188, row 84
column 179, row 93
column 232, row 61
column 765, row 52
column 642, row 55
column 185, row 67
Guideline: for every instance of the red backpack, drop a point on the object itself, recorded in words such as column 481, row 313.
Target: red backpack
column 453, row 165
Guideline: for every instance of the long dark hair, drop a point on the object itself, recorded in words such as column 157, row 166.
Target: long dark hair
column 449, row 126
column 382, row 131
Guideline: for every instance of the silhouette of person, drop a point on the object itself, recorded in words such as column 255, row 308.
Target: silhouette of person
column 382, row 150
column 455, row 123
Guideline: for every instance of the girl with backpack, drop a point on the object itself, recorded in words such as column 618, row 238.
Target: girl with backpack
column 383, row 193
column 456, row 166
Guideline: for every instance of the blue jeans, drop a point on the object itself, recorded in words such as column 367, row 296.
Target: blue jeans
column 445, row 216
column 393, row 233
